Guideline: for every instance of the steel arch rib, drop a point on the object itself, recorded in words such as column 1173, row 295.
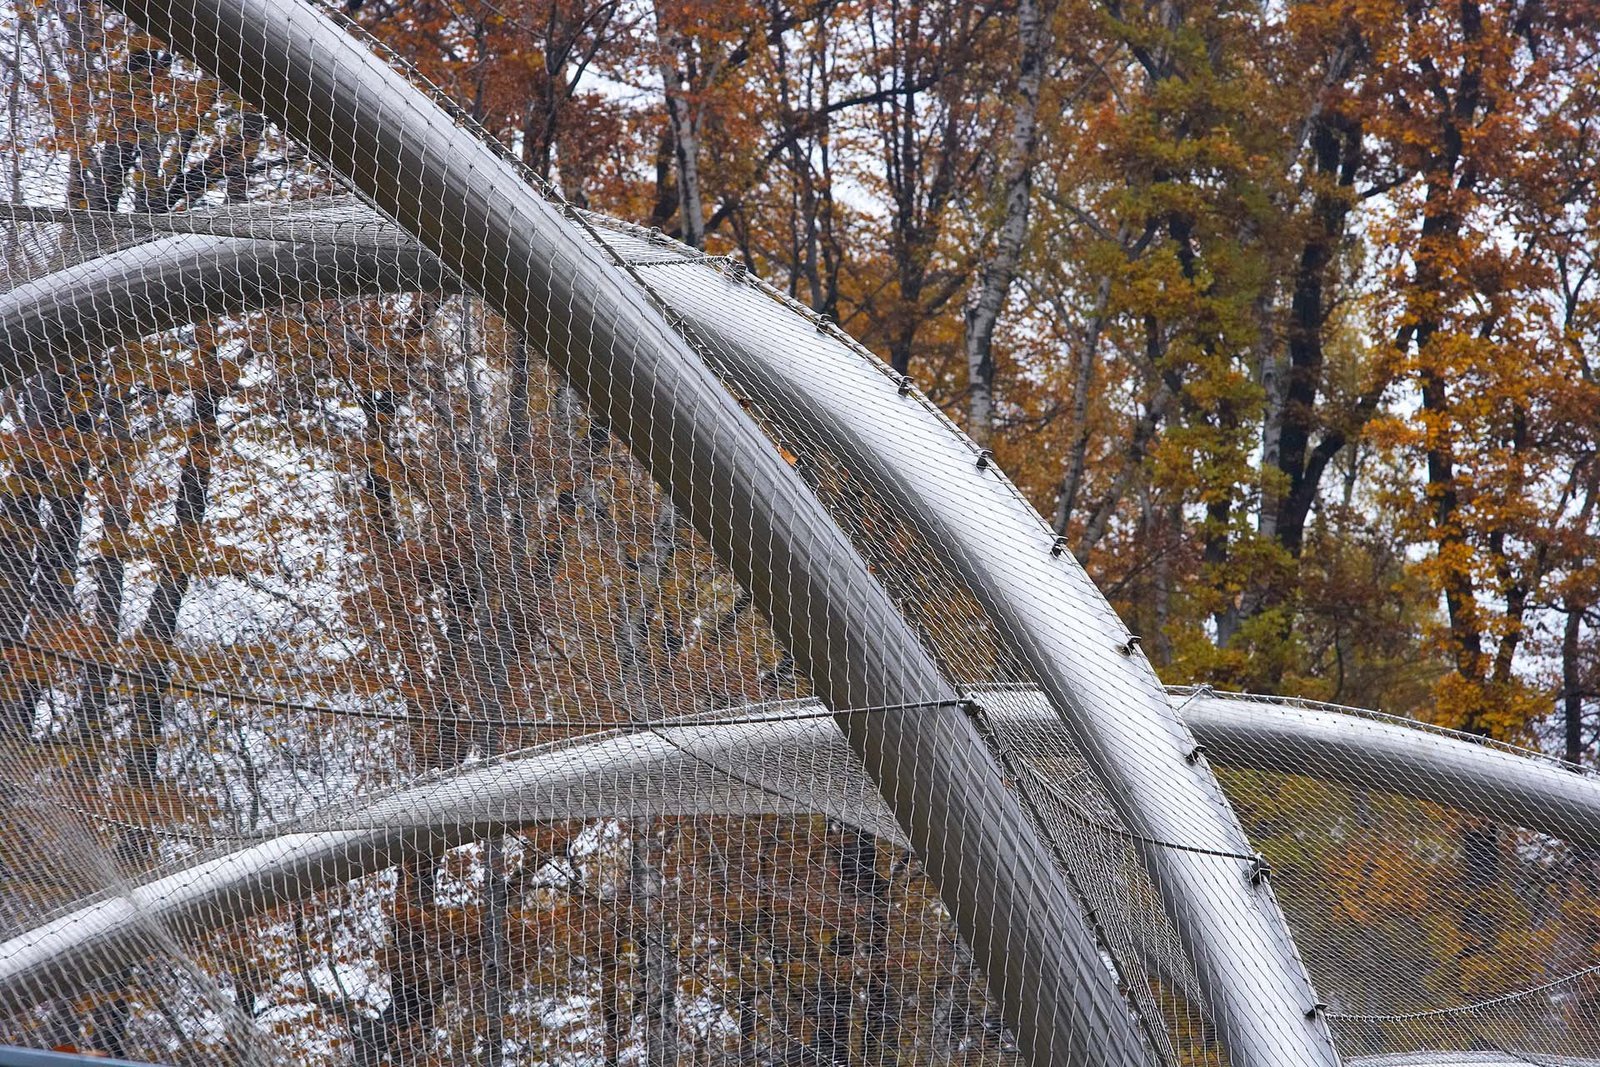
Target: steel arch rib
column 1365, row 750
column 694, row 770
column 43, row 317
column 815, row 383
column 154, row 286
column 1054, row 618
column 503, row 240
column 612, row 776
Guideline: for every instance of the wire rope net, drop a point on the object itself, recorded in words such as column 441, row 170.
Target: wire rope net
column 1434, row 910
column 374, row 692
column 253, row 485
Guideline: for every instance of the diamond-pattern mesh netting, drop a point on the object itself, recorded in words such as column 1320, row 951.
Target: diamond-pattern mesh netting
column 419, row 650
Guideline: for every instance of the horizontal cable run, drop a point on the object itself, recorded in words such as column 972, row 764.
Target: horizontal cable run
column 1076, row 811
column 1083, row 816
column 282, row 704
column 1478, row 1005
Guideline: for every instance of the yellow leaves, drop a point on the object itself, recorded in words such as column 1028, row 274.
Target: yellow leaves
column 1504, row 711
column 181, row 553
column 218, row 560
column 1372, row 882
column 404, row 611
column 59, row 446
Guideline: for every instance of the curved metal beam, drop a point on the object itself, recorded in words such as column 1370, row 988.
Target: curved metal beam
column 1356, row 750
column 154, row 286
column 1473, row 1059
column 817, row 386
column 1369, row 751
column 1054, row 618
column 684, row 770
column 711, row 772
column 474, row 211
column 189, row 278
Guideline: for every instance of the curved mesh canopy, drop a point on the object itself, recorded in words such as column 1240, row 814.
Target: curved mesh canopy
column 440, row 625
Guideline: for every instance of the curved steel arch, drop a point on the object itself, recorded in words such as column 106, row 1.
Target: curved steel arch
column 502, row 239
column 1046, row 606
column 181, row 279
column 1366, row 750
column 694, row 772
column 703, row 770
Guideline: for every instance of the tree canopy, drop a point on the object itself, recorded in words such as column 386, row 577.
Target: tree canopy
column 1285, row 315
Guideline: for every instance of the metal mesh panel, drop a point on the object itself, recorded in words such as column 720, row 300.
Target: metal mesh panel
column 373, row 543
column 410, row 638
column 1436, row 907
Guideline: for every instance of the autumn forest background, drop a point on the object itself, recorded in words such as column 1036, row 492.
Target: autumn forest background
column 1284, row 314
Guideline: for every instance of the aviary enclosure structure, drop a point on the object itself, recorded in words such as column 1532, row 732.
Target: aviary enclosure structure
column 446, row 626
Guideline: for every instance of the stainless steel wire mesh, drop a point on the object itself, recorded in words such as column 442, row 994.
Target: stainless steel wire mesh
column 367, row 700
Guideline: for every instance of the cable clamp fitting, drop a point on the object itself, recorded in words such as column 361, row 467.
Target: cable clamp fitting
column 1194, row 755
column 903, row 387
column 1260, row 870
column 1316, row 1010
column 985, row 459
column 1131, row 645
column 1059, row 545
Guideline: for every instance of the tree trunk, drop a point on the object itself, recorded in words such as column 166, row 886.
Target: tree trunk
column 413, row 986
column 1078, row 432
column 108, row 567
column 1336, row 154
column 1572, row 687
column 1033, row 37
column 160, row 627
column 1132, row 459
column 1460, row 592
column 657, row 947
column 19, row 533
column 506, row 502
column 683, row 119
column 49, row 512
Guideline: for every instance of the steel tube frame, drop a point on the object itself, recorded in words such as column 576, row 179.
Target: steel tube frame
column 1055, row 619
column 813, row 382
column 474, row 211
column 1349, row 750
column 154, row 286
column 1367, row 751
column 681, row 770
column 611, row 776
column 1358, row 751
